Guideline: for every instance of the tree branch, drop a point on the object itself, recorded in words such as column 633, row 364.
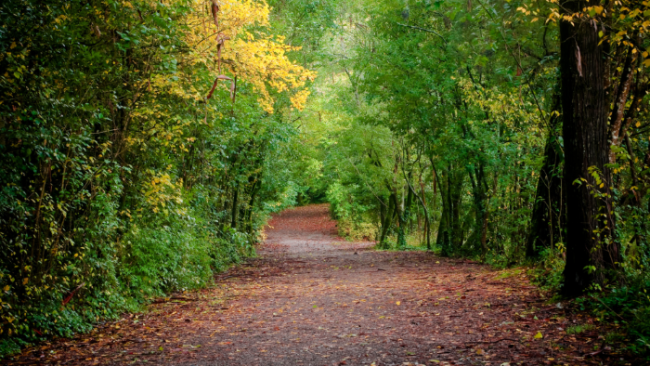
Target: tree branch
column 424, row 30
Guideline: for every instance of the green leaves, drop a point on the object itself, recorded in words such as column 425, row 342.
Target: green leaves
column 117, row 174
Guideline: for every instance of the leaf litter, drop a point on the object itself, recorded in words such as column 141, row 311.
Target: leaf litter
column 312, row 298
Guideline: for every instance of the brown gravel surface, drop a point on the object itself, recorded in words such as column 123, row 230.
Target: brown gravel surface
column 312, row 298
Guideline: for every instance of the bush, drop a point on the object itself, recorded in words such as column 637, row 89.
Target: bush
column 628, row 306
column 158, row 255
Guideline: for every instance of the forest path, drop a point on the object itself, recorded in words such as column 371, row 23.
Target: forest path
column 314, row 299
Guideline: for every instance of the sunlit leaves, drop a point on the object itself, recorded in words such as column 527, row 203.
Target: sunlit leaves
column 250, row 54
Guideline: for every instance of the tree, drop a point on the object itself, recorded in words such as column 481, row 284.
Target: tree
column 585, row 104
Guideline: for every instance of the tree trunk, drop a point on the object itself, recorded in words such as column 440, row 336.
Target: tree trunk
column 443, row 238
column 450, row 230
column 233, row 223
column 401, row 240
column 585, row 129
column 455, row 196
column 388, row 220
column 480, row 195
column 548, row 219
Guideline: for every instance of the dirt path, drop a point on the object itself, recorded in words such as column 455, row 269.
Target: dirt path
column 314, row 299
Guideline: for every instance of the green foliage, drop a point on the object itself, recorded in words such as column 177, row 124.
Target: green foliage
column 439, row 124
column 580, row 328
column 628, row 306
column 432, row 124
column 120, row 180
column 548, row 274
column 432, row 146
column 351, row 215
column 163, row 256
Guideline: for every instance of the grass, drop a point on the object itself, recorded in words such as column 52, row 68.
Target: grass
column 580, row 328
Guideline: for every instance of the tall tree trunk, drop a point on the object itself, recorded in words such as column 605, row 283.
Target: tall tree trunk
column 388, row 220
column 443, row 238
column 401, row 240
column 480, row 195
column 382, row 216
column 420, row 199
column 548, row 219
column 585, row 110
column 455, row 195
column 450, row 234
column 233, row 223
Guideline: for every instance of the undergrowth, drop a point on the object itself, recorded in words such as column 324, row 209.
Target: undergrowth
column 624, row 303
column 157, row 255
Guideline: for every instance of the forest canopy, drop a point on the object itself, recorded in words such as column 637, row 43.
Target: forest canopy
column 145, row 143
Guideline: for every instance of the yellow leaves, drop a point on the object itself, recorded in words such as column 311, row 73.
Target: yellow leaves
column 568, row 18
column 60, row 19
column 523, row 10
column 25, row 280
column 251, row 56
column 160, row 190
column 539, row 335
column 263, row 62
column 299, row 100
column 238, row 14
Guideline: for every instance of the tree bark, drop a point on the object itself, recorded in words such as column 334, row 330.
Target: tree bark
column 443, row 238
column 450, row 231
column 585, row 128
column 233, row 223
column 548, row 218
column 388, row 220
column 455, row 196
column 619, row 104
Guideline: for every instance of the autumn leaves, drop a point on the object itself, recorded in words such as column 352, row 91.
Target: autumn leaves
column 253, row 56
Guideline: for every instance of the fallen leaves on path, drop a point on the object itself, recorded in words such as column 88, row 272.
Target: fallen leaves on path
column 314, row 299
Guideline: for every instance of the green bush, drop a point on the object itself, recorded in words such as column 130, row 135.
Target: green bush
column 164, row 257
column 120, row 180
column 353, row 221
column 629, row 307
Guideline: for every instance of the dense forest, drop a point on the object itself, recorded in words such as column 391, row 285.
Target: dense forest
column 145, row 144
